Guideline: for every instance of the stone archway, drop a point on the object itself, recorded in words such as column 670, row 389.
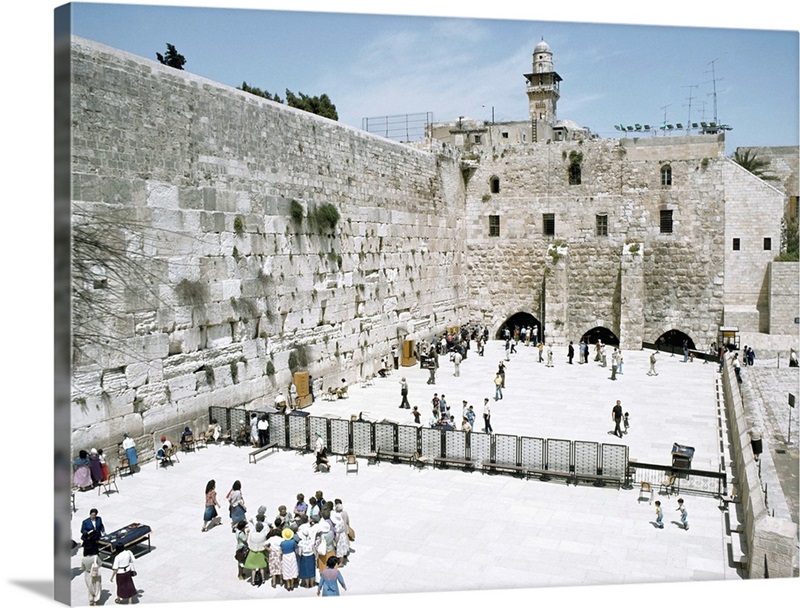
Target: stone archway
column 518, row 319
column 600, row 333
column 673, row 340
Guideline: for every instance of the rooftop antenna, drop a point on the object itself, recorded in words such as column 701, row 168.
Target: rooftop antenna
column 664, row 125
column 689, row 121
column 714, row 85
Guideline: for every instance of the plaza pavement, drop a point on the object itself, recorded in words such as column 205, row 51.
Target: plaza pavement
column 425, row 530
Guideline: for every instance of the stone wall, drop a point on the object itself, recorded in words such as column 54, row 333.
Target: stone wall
column 677, row 280
column 196, row 183
column 753, row 211
column 784, row 295
column 771, row 542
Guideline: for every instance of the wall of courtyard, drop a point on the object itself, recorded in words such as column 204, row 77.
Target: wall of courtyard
column 678, row 281
column 196, row 182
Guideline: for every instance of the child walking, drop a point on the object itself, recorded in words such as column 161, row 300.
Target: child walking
column 625, row 423
column 684, row 514
column 659, row 515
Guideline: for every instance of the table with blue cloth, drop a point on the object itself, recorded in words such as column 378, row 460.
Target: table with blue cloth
column 127, row 537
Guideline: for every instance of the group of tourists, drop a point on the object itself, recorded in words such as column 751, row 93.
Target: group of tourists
column 291, row 549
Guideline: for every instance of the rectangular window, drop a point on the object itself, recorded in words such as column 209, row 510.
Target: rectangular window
column 494, row 225
column 549, row 224
column 736, row 244
column 601, row 222
column 767, row 244
column 504, row 134
column 477, row 139
column 666, row 221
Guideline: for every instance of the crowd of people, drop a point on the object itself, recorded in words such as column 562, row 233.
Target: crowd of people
column 303, row 547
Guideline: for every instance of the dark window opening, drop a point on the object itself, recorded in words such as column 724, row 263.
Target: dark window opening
column 549, row 224
column 504, row 135
column 666, row 221
column 767, row 244
column 602, row 224
column 666, row 175
column 575, row 174
column 494, row 225
column 736, row 244
column 494, row 185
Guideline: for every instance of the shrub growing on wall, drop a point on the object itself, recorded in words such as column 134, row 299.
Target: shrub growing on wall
column 296, row 211
column 326, row 216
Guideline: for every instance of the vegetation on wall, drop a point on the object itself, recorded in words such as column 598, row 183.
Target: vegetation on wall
column 324, row 217
column 191, row 293
column 296, row 211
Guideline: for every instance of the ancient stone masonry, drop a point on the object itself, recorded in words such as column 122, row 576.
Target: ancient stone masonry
column 254, row 231
column 609, row 225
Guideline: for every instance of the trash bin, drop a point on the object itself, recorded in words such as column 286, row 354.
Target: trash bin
column 682, row 456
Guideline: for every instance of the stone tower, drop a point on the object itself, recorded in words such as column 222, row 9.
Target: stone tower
column 543, row 94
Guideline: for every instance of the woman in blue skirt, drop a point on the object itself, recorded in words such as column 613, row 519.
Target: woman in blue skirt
column 237, row 506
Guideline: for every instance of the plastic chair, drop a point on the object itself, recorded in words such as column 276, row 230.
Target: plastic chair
column 645, row 489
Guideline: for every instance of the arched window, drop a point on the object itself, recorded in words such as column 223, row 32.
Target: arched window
column 575, row 174
column 494, row 184
column 666, row 175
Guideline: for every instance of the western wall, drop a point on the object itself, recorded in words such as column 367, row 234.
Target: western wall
column 197, row 182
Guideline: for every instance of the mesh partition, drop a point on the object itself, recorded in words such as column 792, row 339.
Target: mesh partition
column 558, row 452
column 505, row 449
column 431, row 443
column 586, row 457
column 297, row 432
column 318, row 425
column 277, row 429
column 362, row 438
column 238, row 418
column 407, row 439
column 221, row 416
column 384, row 437
column 340, row 436
column 455, row 444
column 532, row 452
column 480, row 447
column 615, row 459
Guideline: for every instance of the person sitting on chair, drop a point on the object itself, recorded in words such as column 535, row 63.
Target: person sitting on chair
column 186, row 436
column 214, row 430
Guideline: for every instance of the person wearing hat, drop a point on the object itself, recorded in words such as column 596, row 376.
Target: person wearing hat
column 289, row 569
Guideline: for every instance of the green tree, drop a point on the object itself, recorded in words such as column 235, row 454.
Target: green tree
column 256, row 91
column 320, row 105
column 172, row 58
column 747, row 159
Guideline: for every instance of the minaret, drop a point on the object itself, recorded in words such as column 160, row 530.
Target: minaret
column 542, row 89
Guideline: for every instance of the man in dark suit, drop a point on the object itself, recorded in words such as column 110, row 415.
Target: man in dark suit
column 93, row 524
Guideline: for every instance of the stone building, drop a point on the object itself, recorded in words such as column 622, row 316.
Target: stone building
column 630, row 240
column 225, row 240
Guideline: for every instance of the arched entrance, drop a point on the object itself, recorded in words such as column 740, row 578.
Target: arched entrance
column 518, row 320
column 672, row 341
column 605, row 335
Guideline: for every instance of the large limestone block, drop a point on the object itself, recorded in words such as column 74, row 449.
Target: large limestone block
column 182, row 387
column 162, row 195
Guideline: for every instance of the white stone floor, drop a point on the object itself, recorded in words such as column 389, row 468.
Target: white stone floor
column 441, row 530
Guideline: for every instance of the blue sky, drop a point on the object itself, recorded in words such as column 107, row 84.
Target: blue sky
column 377, row 65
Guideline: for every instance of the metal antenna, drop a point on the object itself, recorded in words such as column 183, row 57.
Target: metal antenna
column 689, row 120
column 664, row 126
column 714, row 85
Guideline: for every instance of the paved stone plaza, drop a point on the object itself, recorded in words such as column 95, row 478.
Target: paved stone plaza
column 418, row 528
